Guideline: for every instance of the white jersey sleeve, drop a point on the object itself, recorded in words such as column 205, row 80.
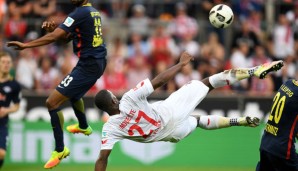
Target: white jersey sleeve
column 109, row 137
column 141, row 91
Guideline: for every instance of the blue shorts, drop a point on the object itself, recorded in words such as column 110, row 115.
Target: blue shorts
column 269, row 162
column 82, row 77
column 3, row 136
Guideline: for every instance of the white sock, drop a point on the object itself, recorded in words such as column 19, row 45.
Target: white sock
column 229, row 77
column 215, row 122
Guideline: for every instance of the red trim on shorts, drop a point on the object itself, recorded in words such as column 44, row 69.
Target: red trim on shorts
column 291, row 138
column 79, row 45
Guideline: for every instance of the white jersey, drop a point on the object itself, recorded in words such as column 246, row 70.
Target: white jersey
column 166, row 120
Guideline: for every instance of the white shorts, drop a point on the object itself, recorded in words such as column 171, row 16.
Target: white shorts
column 181, row 104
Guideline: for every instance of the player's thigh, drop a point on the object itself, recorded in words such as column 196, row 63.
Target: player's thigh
column 76, row 84
column 281, row 164
column 258, row 166
column 274, row 163
column 185, row 128
column 290, row 165
column 264, row 163
column 81, row 79
column 183, row 102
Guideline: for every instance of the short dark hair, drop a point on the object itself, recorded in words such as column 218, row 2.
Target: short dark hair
column 103, row 100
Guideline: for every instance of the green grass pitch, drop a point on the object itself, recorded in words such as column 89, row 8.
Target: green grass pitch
column 114, row 168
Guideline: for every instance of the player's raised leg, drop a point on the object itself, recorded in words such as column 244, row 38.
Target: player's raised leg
column 82, row 126
column 229, row 77
column 53, row 103
column 216, row 122
column 262, row 70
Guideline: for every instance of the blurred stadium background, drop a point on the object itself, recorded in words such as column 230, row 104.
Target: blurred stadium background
column 143, row 38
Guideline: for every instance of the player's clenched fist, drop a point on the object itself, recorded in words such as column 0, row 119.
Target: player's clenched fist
column 17, row 45
column 49, row 26
column 185, row 58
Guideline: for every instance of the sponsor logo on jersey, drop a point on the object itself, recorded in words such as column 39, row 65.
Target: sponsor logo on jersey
column 68, row 21
column 271, row 129
column 287, row 90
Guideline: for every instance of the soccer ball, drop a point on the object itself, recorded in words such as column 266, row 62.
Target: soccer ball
column 221, row 16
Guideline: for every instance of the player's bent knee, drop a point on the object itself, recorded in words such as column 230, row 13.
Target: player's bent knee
column 208, row 122
column 55, row 100
column 51, row 104
column 2, row 154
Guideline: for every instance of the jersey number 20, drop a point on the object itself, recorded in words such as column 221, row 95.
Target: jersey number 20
column 277, row 108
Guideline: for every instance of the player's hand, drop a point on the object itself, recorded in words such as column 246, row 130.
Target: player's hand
column 3, row 112
column 185, row 58
column 17, row 45
column 49, row 26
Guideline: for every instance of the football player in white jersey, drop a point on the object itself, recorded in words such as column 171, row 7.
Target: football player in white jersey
column 168, row 120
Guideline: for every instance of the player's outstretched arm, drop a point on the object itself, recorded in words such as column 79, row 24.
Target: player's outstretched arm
column 46, row 39
column 168, row 74
column 50, row 26
column 102, row 161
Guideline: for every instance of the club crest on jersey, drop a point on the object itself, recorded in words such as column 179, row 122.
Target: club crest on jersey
column 68, row 21
column 7, row 89
column 104, row 134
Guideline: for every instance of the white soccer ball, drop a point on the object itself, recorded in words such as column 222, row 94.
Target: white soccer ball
column 221, row 16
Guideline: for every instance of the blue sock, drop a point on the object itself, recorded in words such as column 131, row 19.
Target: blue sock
column 57, row 125
column 79, row 109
